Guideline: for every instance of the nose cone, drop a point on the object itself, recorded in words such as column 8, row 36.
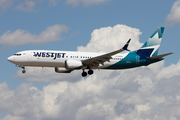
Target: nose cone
column 10, row 59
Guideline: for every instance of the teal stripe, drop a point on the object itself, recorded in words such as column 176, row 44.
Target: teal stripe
column 134, row 62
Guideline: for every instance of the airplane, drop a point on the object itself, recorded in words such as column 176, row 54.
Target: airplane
column 67, row 61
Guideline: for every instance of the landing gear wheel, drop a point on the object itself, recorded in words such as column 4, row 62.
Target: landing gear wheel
column 90, row 72
column 23, row 71
column 84, row 74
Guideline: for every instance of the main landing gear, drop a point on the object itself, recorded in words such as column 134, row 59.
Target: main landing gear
column 84, row 74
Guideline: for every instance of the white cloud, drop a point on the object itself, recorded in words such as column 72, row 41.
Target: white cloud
column 147, row 93
column 104, row 95
column 85, row 2
column 53, row 2
column 37, row 74
column 112, row 38
column 170, row 71
column 142, row 108
column 29, row 5
column 26, row 6
column 174, row 16
column 10, row 117
column 20, row 37
column 5, row 4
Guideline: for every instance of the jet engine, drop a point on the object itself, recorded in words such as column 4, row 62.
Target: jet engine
column 72, row 64
column 61, row 70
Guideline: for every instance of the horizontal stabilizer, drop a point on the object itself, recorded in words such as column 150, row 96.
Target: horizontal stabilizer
column 159, row 56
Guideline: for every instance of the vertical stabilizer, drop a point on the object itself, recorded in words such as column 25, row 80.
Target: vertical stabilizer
column 154, row 41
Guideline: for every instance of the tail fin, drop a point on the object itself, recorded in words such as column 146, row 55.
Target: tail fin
column 154, row 41
column 151, row 47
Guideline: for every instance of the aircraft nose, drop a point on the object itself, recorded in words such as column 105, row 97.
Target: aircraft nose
column 10, row 59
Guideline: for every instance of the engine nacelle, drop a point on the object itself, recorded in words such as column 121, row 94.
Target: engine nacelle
column 72, row 64
column 61, row 70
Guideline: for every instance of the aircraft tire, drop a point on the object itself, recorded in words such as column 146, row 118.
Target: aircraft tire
column 90, row 72
column 23, row 71
column 84, row 74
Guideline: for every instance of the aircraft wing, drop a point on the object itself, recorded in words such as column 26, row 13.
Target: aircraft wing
column 94, row 62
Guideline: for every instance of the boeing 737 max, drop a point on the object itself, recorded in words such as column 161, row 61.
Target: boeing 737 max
column 67, row 61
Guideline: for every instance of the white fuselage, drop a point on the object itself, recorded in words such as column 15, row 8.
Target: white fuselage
column 47, row 58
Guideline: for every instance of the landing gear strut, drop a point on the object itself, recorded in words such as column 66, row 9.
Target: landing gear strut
column 23, row 71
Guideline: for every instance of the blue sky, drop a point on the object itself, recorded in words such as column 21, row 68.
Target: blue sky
column 74, row 21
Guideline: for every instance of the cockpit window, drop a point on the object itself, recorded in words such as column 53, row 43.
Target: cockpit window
column 17, row 54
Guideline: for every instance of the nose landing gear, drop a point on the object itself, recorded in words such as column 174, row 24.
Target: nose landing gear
column 23, row 71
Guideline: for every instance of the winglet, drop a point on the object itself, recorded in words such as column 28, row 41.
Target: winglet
column 126, row 45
